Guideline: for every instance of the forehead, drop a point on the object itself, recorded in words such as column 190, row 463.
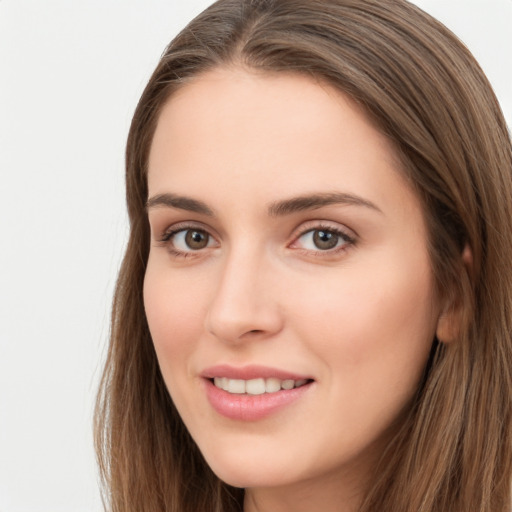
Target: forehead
column 268, row 135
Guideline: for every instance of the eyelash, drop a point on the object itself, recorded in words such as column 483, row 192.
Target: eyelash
column 348, row 240
column 167, row 237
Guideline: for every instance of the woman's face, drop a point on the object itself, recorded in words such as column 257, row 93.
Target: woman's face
column 288, row 291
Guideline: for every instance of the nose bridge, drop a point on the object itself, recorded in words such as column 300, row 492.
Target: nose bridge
column 244, row 301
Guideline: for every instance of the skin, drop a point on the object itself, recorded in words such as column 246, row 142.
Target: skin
column 359, row 319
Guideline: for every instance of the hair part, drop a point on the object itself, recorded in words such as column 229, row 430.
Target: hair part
column 422, row 88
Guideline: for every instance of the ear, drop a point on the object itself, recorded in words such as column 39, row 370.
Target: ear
column 449, row 323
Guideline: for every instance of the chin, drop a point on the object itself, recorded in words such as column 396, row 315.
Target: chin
column 247, row 472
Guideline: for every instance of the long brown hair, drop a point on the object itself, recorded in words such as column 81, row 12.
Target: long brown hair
column 424, row 90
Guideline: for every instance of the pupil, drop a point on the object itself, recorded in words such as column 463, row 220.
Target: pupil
column 325, row 239
column 196, row 239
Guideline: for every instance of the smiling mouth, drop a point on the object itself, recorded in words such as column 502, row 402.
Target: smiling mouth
column 257, row 386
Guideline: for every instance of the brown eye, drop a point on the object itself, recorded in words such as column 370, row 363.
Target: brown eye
column 325, row 240
column 196, row 239
column 188, row 240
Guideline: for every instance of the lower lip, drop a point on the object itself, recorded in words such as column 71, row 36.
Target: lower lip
column 251, row 407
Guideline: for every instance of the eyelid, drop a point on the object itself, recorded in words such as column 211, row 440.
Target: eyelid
column 170, row 230
column 309, row 225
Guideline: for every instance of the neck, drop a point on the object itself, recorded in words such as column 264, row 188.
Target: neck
column 330, row 494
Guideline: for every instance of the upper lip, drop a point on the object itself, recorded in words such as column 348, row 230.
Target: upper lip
column 250, row 372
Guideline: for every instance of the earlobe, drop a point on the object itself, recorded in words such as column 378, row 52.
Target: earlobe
column 449, row 323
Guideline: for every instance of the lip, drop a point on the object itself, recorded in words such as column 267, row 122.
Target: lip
column 246, row 407
column 250, row 372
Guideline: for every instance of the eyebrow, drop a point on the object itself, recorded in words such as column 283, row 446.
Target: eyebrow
column 180, row 202
column 276, row 209
column 315, row 201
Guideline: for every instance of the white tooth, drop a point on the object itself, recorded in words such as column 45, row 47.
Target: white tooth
column 236, row 386
column 272, row 385
column 255, row 387
column 225, row 383
column 287, row 384
column 300, row 383
column 218, row 382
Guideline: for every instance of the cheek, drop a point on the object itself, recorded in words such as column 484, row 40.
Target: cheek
column 374, row 327
column 175, row 315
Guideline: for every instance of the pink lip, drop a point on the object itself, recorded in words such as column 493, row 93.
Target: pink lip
column 250, row 407
column 249, row 372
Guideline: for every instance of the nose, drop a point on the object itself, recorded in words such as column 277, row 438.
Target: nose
column 245, row 305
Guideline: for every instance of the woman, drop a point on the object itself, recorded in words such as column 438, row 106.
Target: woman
column 315, row 306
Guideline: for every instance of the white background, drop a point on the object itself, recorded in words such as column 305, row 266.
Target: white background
column 70, row 76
